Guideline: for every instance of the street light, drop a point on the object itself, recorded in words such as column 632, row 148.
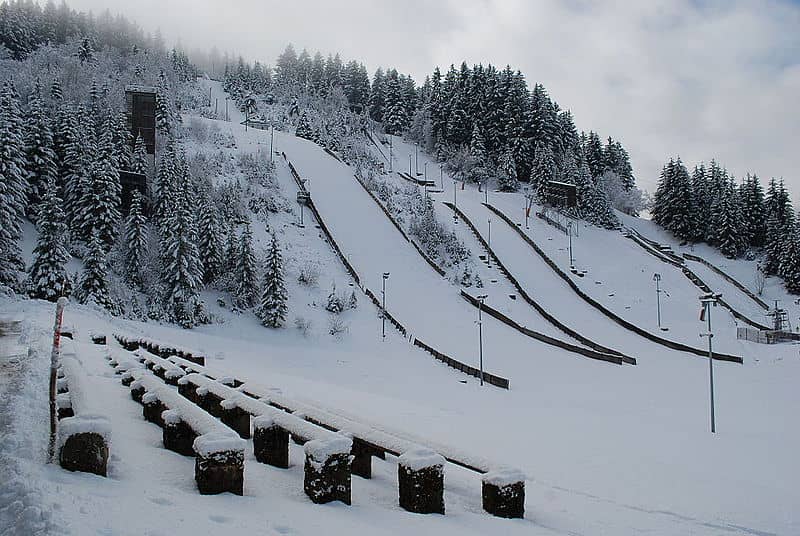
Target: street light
column 707, row 300
column 571, row 258
column 481, row 299
column 657, row 279
column 383, row 313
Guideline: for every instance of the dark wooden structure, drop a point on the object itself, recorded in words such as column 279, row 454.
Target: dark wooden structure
column 140, row 103
column 561, row 194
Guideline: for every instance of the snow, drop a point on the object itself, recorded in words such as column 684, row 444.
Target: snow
column 209, row 444
column 320, row 450
column 418, row 459
column 614, row 450
column 503, row 477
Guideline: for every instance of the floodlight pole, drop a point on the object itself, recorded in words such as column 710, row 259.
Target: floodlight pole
column 657, row 279
column 481, row 299
column 571, row 258
column 708, row 300
column 383, row 313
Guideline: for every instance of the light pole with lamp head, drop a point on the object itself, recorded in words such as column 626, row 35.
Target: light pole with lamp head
column 481, row 299
column 657, row 279
column 383, row 312
column 707, row 300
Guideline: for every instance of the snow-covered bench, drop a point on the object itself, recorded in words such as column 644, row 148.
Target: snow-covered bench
column 189, row 367
column 160, row 348
column 164, row 369
column 328, row 461
column 84, row 435
column 190, row 431
column 121, row 363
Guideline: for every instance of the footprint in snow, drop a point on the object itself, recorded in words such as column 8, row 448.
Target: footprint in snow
column 219, row 519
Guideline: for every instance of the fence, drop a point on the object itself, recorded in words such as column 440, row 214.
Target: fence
column 766, row 336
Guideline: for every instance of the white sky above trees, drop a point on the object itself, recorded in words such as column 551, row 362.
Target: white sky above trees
column 703, row 79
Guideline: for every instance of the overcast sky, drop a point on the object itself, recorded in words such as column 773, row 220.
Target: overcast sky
column 699, row 78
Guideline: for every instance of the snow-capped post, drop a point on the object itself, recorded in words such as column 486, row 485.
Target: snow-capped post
column 235, row 417
column 362, row 458
column 219, row 463
column 60, row 304
column 327, row 469
column 420, row 475
column 270, row 442
column 152, row 408
column 503, row 492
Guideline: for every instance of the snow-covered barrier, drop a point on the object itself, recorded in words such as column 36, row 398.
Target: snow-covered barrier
column 420, row 475
column 84, row 436
column 597, row 305
column 730, row 279
column 190, row 431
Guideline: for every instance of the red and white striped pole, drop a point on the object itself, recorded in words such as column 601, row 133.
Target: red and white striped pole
column 56, row 352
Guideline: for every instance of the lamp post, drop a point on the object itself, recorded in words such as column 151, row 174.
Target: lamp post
column 383, row 312
column 391, row 154
column 416, row 160
column 271, row 143
column 441, row 176
column 707, row 301
column 657, row 279
column 425, row 170
column 489, row 244
column 571, row 258
column 481, row 299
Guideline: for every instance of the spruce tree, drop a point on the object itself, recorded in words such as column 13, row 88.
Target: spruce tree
column 13, row 187
column 210, row 245
column 136, row 241
column 780, row 218
column 543, row 171
column 727, row 221
column 247, row 287
column 48, row 278
column 39, row 154
column 140, row 160
column 183, row 270
column 272, row 310
column 790, row 268
column 507, row 173
column 304, row 129
column 93, row 287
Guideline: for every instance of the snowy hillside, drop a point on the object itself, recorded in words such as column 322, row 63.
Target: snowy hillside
column 617, row 449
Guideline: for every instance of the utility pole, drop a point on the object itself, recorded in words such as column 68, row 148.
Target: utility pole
column 708, row 300
column 489, row 243
column 481, row 299
column 383, row 313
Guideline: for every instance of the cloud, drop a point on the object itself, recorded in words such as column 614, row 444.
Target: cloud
column 703, row 79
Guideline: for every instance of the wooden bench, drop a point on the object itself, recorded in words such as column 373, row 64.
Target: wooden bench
column 84, row 435
column 164, row 369
column 190, row 431
column 328, row 464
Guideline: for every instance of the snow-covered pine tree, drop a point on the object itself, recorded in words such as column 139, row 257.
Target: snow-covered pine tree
column 13, row 188
column 210, row 245
column 701, row 203
column 507, row 173
column 183, row 271
column 86, row 50
column 136, row 241
column 673, row 202
column 39, row 154
column 163, row 108
column 139, row 159
column 272, row 310
column 727, row 220
column 543, row 170
column 247, row 280
column 79, row 150
column 304, row 129
column 56, row 93
column 790, row 266
column 93, row 287
column 48, row 278
column 165, row 194
column 100, row 202
column 754, row 210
